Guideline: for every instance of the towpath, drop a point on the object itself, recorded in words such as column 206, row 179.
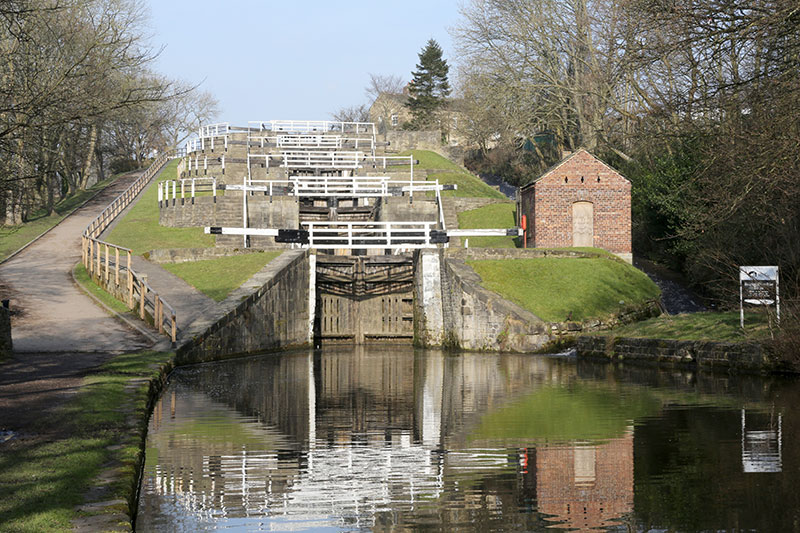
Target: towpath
column 58, row 332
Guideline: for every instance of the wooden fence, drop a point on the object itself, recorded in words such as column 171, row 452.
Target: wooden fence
column 110, row 265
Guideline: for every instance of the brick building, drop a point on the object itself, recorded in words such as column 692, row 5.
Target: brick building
column 580, row 201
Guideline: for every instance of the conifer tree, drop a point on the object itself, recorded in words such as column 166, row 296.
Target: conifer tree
column 429, row 86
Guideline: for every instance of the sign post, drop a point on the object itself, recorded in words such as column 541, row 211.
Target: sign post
column 758, row 285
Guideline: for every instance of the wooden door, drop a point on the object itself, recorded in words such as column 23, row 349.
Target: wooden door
column 582, row 224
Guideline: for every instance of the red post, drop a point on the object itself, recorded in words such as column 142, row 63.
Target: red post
column 524, row 231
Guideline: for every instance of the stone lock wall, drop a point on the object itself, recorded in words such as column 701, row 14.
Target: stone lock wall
column 276, row 316
column 454, row 311
column 262, row 212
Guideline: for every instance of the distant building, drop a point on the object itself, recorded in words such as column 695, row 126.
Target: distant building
column 580, row 201
column 389, row 113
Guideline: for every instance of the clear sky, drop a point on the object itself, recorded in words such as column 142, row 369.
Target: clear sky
column 288, row 59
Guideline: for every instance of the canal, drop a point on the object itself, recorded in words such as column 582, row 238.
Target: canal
column 382, row 438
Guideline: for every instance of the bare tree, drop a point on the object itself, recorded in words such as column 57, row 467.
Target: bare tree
column 383, row 83
column 354, row 113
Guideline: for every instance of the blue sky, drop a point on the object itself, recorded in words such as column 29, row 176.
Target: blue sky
column 289, row 59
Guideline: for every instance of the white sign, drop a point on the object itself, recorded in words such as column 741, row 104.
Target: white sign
column 758, row 285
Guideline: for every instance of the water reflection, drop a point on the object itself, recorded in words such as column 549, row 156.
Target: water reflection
column 372, row 439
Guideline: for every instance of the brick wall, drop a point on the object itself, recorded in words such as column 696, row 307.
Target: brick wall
column 580, row 177
column 587, row 487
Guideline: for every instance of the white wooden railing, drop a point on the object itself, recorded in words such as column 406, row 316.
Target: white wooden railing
column 112, row 269
column 319, row 159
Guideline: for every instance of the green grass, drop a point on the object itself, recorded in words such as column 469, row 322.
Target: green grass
column 431, row 161
column 12, row 238
column 555, row 288
column 216, row 278
column 491, row 216
column 82, row 276
column 140, row 231
column 468, row 185
column 711, row 326
column 449, row 173
column 41, row 482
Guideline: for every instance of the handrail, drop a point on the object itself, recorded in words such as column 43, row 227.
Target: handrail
column 136, row 288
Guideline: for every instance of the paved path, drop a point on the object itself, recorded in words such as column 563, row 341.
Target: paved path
column 58, row 332
column 51, row 313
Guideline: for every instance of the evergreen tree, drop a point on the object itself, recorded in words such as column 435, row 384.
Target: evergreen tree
column 429, row 87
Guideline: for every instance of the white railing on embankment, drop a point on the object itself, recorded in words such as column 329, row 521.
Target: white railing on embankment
column 120, row 279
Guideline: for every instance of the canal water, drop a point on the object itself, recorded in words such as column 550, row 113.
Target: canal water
column 397, row 439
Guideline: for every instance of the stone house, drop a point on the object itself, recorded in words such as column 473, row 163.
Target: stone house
column 580, row 201
column 389, row 113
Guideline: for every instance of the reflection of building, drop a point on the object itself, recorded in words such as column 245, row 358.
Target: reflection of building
column 761, row 444
column 363, row 439
column 586, row 487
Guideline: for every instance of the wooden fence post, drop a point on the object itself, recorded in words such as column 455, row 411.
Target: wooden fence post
column 107, row 265
column 116, row 266
column 142, row 295
column 174, row 328
column 130, row 282
column 99, row 257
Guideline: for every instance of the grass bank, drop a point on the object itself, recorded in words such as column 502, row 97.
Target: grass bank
column 12, row 238
column 216, row 278
column 82, row 277
column 707, row 326
column 559, row 289
column 491, row 216
column 448, row 173
column 140, row 231
column 100, row 428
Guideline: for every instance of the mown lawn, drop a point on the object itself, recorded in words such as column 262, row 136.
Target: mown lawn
column 139, row 229
column 557, row 289
column 448, row 173
column 42, row 481
column 12, row 238
column 217, row 278
column 491, row 216
column 710, row 326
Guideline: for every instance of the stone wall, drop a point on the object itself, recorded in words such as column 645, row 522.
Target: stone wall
column 5, row 333
column 401, row 140
column 750, row 357
column 475, row 318
column 262, row 212
column 400, row 209
column 187, row 255
column 276, row 316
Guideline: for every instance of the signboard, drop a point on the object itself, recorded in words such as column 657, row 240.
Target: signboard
column 758, row 285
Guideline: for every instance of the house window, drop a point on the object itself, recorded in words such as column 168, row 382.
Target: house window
column 395, row 120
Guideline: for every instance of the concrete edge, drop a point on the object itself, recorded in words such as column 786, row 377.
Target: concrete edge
column 51, row 228
column 148, row 335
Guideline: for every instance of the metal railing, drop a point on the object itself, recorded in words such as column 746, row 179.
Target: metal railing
column 214, row 130
column 195, row 186
column 319, row 159
column 312, row 126
column 110, row 272
column 365, row 235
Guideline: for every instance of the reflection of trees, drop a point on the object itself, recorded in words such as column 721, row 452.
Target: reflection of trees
column 398, row 440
